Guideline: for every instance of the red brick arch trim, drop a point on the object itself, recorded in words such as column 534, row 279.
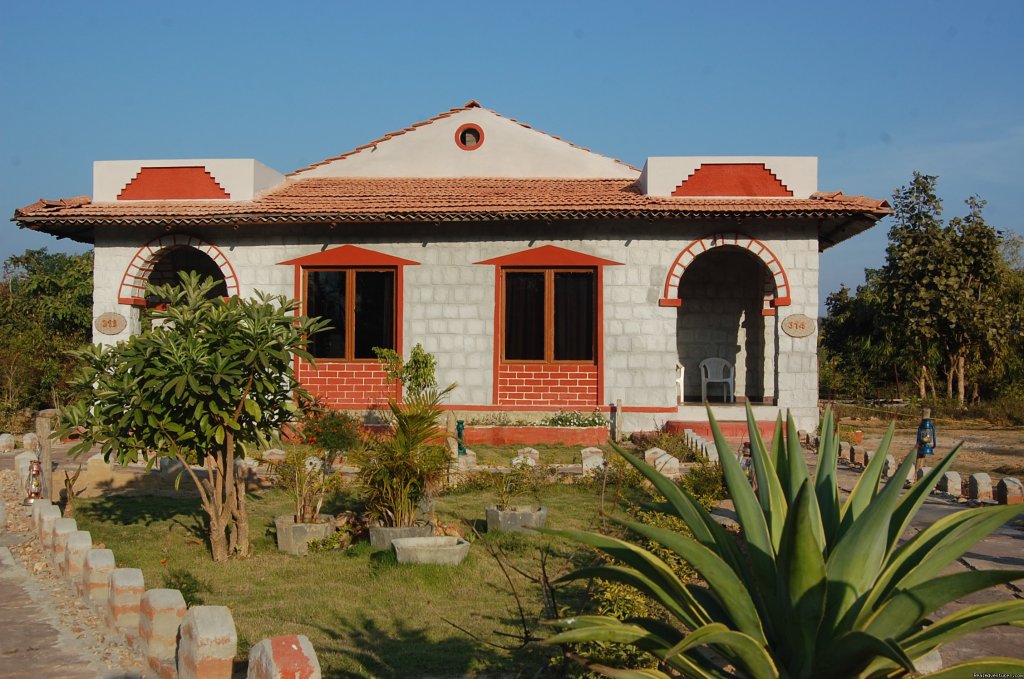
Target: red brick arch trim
column 777, row 291
column 136, row 276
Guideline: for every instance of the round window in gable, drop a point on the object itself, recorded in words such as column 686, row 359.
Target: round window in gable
column 469, row 137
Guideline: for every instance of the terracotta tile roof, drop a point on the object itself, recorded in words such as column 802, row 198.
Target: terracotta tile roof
column 357, row 199
column 472, row 103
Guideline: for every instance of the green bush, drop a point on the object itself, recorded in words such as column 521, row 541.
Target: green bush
column 672, row 443
column 574, row 418
column 706, row 483
column 399, row 468
column 191, row 587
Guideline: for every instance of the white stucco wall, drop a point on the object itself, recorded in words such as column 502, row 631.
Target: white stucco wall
column 449, row 300
column 662, row 174
column 509, row 150
column 241, row 178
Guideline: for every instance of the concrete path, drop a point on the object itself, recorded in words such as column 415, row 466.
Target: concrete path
column 35, row 642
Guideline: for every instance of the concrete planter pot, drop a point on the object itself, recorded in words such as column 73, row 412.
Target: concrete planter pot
column 381, row 537
column 445, row 551
column 294, row 538
column 516, row 518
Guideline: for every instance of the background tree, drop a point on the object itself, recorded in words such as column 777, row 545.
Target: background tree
column 207, row 377
column 947, row 301
column 45, row 311
column 916, row 278
column 978, row 318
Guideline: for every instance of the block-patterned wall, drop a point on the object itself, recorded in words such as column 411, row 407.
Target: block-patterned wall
column 450, row 301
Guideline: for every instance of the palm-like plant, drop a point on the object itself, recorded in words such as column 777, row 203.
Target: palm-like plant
column 397, row 469
column 816, row 587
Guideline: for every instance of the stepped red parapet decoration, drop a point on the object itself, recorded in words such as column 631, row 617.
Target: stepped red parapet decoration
column 733, row 179
column 173, row 183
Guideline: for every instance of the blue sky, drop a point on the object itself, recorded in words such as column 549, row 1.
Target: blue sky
column 874, row 89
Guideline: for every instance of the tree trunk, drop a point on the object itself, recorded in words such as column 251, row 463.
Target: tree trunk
column 961, row 378
column 922, row 383
column 241, row 516
column 950, row 374
column 218, row 540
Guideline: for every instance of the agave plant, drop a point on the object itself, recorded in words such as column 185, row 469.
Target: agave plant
column 815, row 587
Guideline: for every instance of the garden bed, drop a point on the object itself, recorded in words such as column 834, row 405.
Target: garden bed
column 504, row 435
column 366, row 614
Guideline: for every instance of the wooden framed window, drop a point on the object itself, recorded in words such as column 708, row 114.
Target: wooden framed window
column 549, row 315
column 361, row 307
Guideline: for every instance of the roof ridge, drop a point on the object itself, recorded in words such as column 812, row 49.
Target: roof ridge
column 471, row 104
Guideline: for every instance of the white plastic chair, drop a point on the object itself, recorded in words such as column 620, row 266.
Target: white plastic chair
column 679, row 382
column 717, row 370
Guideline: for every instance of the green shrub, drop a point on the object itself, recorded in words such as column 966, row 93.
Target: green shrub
column 416, row 375
column 574, row 418
column 330, row 431
column 190, row 586
column 706, row 483
column 672, row 443
column 399, row 468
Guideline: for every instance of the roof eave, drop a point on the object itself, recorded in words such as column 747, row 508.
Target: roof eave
column 854, row 221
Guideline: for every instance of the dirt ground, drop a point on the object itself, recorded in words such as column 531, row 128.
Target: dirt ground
column 996, row 451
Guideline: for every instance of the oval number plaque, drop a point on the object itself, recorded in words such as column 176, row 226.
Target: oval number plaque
column 798, row 325
column 111, row 323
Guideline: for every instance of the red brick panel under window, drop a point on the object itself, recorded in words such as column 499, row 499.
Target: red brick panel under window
column 547, row 384
column 347, row 384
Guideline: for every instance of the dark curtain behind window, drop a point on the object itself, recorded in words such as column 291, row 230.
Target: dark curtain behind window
column 574, row 315
column 325, row 297
column 375, row 312
column 524, row 316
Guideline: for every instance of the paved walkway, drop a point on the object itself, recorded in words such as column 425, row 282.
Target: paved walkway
column 46, row 631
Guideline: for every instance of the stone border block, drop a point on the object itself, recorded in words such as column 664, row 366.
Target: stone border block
column 160, row 614
column 124, row 594
column 1009, row 491
column 208, row 643
column 99, row 564
column 652, row 454
column 531, row 453
column 290, row 657
column 62, row 528
column 3, row 516
column 77, row 546
column 979, row 487
column 667, row 464
column 889, row 467
column 951, row 484
column 38, row 507
column 47, row 517
column 921, row 473
column 857, row 456
column 844, row 450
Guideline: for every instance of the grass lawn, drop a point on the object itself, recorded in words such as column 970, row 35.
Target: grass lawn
column 365, row 614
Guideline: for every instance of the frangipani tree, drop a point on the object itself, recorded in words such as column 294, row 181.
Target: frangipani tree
column 815, row 587
column 205, row 377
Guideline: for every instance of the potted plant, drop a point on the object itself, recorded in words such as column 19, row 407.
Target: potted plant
column 400, row 468
column 506, row 516
column 309, row 478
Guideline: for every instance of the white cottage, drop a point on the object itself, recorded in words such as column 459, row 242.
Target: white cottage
column 541, row 275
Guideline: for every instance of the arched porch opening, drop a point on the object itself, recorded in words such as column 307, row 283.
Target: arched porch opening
column 722, row 314
column 159, row 262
